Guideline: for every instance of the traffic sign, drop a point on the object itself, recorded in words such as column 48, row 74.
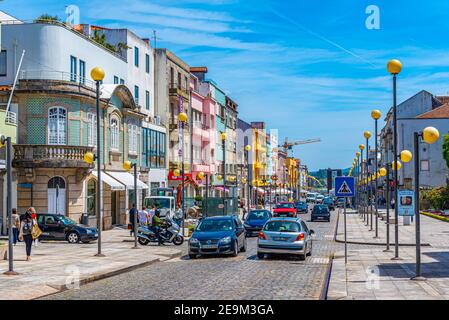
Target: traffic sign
column 344, row 187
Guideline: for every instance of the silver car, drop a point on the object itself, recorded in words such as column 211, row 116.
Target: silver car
column 285, row 236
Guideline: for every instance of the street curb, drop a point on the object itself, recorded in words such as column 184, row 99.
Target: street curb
column 325, row 288
column 376, row 243
column 93, row 278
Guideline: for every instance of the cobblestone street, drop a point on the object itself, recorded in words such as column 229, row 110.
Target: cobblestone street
column 243, row 277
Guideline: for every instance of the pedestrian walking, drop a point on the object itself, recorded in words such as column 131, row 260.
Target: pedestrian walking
column 15, row 226
column 143, row 217
column 132, row 214
column 26, row 233
column 177, row 217
column 35, row 225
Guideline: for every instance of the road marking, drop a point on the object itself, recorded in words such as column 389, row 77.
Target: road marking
column 318, row 260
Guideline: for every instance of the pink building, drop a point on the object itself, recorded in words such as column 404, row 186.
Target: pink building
column 203, row 123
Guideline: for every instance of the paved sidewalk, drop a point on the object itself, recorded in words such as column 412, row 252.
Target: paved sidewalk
column 55, row 265
column 371, row 274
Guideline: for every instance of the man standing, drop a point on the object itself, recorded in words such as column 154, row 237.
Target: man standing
column 132, row 214
column 143, row 217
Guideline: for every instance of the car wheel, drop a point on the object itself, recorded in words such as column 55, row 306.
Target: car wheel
column 73, row 237
column 235, row 253
column 192, row 256
column 260, row 255
column 244, row 246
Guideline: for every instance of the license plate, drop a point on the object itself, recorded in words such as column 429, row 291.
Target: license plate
column 208, row 246
column 280, row 239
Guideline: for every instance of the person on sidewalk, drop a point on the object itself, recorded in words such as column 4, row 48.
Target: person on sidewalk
column 177, row 217
column 143, row 217
column 132, row 214
column 15, row 220
column 26, row 230
column 34, row 217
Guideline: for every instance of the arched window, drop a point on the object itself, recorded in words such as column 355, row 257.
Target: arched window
column 57, row 126
column 56, row 196
column 114, row 133
column 91, row 197
column 91, row 129
column 56, row 182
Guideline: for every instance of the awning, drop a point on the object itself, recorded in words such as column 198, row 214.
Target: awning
column 127, row 179
column 114, row 184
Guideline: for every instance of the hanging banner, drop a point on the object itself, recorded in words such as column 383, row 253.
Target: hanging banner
column 406, row 199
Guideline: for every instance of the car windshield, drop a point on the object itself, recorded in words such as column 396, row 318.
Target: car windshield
column 284, row 206
column 320, row 209
column 299, row 204
column 67, row 221
column 282, row 226
column 215, row 225
column 259, row 215
column 159, row 203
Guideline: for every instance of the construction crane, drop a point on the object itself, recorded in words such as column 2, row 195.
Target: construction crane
column 289, row 145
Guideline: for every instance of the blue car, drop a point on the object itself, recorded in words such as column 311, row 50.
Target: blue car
column 301, row 207
column 218, row 235
column 256, row 220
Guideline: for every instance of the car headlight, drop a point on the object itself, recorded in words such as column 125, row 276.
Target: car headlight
column 226, row 240
column 194, row 241
column 88, row 231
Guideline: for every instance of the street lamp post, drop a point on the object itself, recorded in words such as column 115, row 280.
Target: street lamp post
column 7, row 141
column 394, row 67
column 430, row 135
column 247, row 149
column 358, row 181
column 223, row 144
column 362, row 196
column 387, row 192
column 367, row 136
column 97, row 75
column 128, row 165
column 376, row 114
column 182, row 119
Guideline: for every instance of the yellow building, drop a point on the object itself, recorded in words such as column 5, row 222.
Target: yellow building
column 259, row 143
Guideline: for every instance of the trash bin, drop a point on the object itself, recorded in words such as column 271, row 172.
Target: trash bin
column 85, row 219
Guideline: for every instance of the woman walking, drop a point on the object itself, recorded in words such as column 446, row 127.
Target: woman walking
column 26, row 233
column 34, row 217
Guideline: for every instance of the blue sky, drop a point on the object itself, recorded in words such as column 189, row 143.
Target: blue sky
column 308, row 68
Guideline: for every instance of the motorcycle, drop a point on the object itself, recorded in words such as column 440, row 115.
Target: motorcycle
column 170, row 232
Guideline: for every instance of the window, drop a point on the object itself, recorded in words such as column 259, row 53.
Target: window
column 133, row 133
column 179, row 80
column 136, row 56
column 3, row 63
column 73, row 69
column 172, row 77
column 114, row 133
column 82, row 72
column 57, row 126
column 425, row 165
column 153, row 148
column 115, row 80
column 122, row 81
column 147, row 100
column 91, row 129
column 136, row 94
column 147, row 63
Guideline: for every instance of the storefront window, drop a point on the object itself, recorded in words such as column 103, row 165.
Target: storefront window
column 91, row 197
column 154, row 148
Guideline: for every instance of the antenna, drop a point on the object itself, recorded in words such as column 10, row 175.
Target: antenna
column 155, row 38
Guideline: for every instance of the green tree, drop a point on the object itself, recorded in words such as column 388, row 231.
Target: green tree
column 446, row 149
column 46, row 17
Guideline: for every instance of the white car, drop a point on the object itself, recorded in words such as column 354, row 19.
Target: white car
column 319, row 198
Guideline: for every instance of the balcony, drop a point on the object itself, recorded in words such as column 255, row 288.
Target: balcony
column 179, row 90
column 50, row 156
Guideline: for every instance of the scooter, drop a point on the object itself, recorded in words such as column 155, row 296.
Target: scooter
column 170, row 232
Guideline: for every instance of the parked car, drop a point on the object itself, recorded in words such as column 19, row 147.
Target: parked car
column 320, row 212
column 285, row 236
column 284, row 209
column 59, row 227
column 311, row 197
column 301, row 207
column 255, row 221
column 330, row 203
column 319, row 198
column 218, row 235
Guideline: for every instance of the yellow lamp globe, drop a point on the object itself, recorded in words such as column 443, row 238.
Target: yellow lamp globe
column 367, row 134
column 127, row 165
column 200, row 176
column 357, row 154
column 244, row 180
column 394, row 66
column 376, row 114
column 406, row 156
column 362, row 147
column 248, row 148
column 219, row 177
column 223, row 136
column 176, row 172
column 97, row 74
column 430, row 135
column 182, row 117
column 383, row 172
column 89, row 157
column 399, row 165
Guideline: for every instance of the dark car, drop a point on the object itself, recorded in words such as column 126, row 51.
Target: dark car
column 285, row 209
column 301, row 207
column 59, row 227
column 320, row 212
column 330, row 203
column 256, row 220
column 218, row 235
